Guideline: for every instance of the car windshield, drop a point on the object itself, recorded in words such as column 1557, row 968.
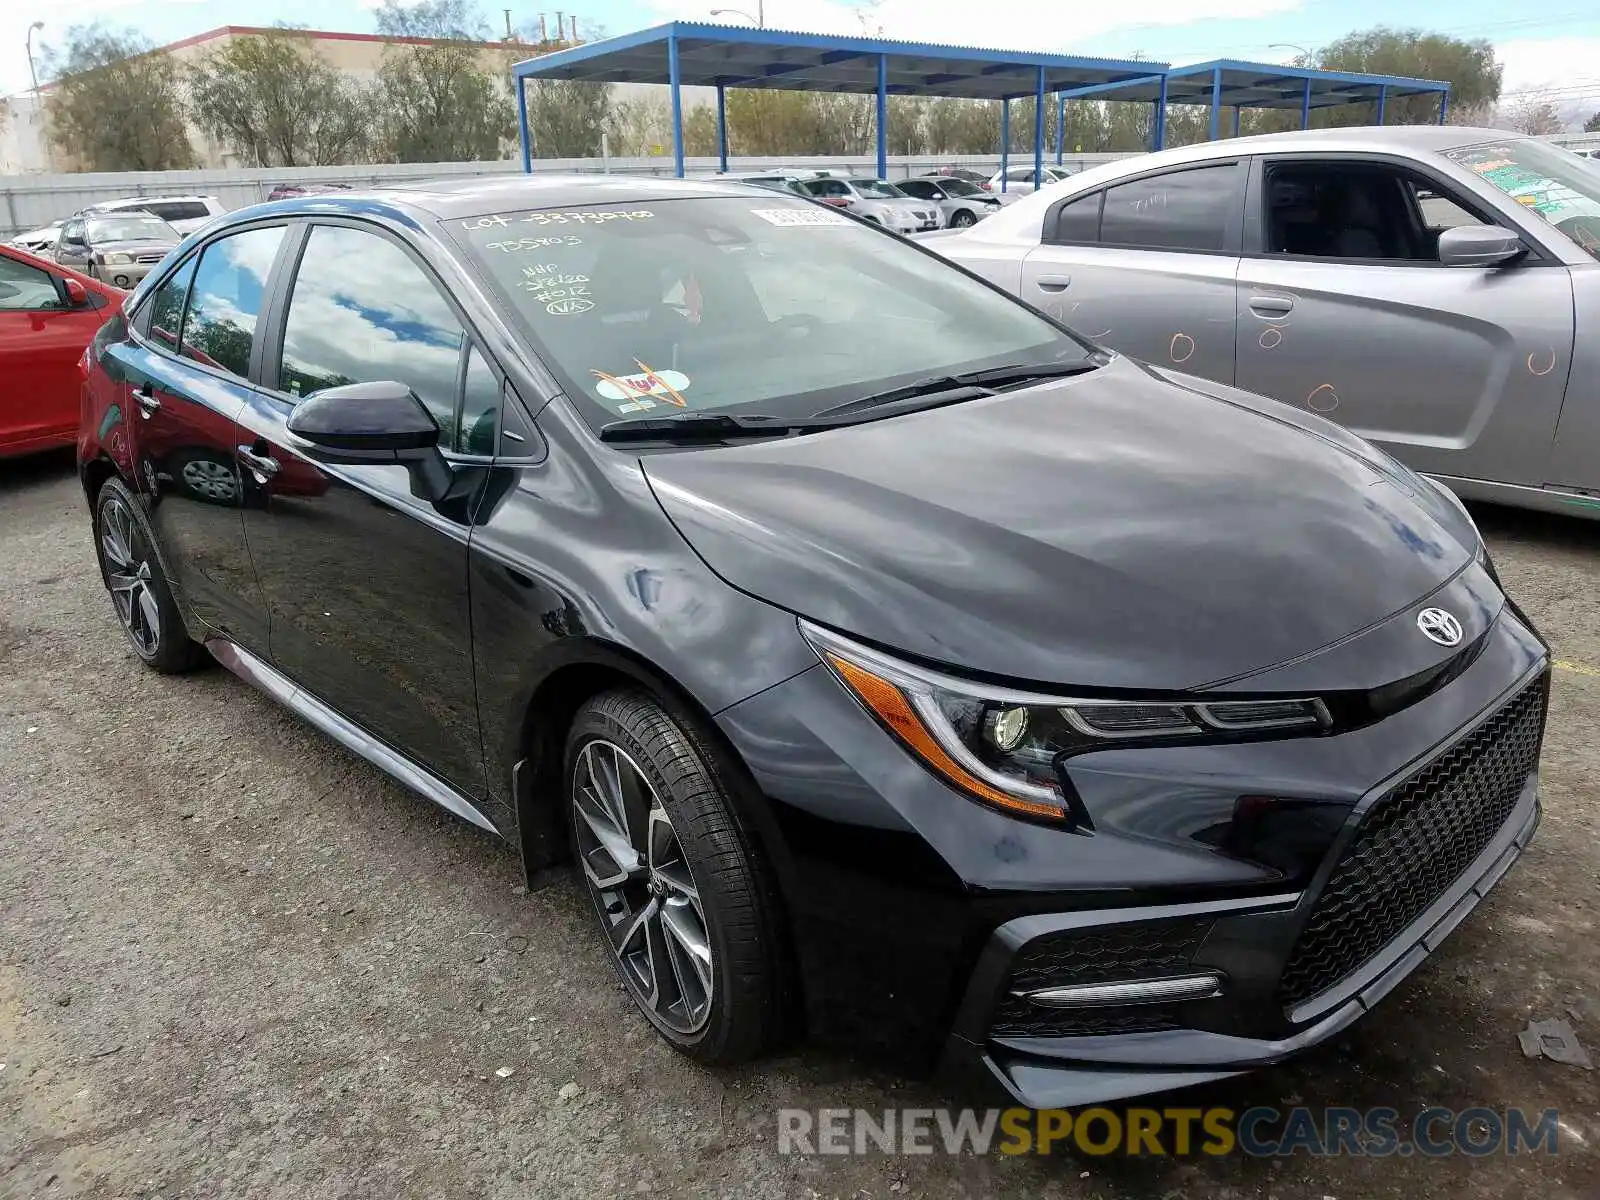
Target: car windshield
column 960, row 187
column 1558, row 185
column 774, row 306
column 134, row 227
column 878, row 189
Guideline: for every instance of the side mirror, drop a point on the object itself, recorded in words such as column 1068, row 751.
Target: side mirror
column 366, row 422
column 1479, row 246
column 77, row 294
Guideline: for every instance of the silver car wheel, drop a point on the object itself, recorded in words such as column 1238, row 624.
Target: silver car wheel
column 213, row 480
column 127, row 565
column 640, row 880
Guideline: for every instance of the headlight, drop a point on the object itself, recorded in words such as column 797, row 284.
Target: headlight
column 1005, row 747
column 117, row 260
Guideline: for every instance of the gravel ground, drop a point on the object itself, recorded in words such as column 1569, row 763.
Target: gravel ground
column 239, row 962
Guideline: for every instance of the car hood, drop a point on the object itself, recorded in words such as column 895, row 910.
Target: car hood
column 1115, row 529
column 134, row 247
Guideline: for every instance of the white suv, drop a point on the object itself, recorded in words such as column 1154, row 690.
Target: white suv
column 183, row 213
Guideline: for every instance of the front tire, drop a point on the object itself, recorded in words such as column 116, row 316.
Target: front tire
column 962, row 219
column 679, row 894
column 132, row 572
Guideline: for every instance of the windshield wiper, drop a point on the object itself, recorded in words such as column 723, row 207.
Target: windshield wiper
column 952, row 389
column 711, row 426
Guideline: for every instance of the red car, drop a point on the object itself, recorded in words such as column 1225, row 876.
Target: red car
column 48, row 314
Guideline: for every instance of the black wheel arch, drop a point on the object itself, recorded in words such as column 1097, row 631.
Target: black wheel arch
column 575, row 669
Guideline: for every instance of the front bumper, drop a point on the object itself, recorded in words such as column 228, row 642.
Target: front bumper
column 910, row 904
column 125, row 275
column 1061, row 1072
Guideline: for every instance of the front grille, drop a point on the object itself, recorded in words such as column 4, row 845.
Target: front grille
column 1414, row 843
column 147, row 259
column 1103, row 954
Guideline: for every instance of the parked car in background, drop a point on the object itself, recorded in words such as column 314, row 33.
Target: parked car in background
column 183, row 213
column 288, row 191
column 773, row 182
column 1021, row 181
column 875, row 200
column 981, row 178
column 1306, row 266
column 41, row 240
column 888, row 662
column 48, row 315
column 119, row 247
column 959, row 203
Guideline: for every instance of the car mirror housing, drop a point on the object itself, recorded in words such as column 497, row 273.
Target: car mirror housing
column 365, row 422
column 77, row 294
column 1479, row 246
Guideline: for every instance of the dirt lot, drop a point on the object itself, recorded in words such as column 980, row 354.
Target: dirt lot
column 238, row 962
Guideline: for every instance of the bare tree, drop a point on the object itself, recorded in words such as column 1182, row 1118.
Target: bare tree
column 279, row 103
column 117, row 105
column 1532, row 116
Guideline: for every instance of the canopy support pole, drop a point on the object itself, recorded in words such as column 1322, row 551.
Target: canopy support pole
column 1158, row 127
column 722, row 129
column 1305, row 107
column 883, row 116
column 675, row 81
column 1005, row 139
column 1383, row 101
column 522, row 125
column 1216, row 101
column 1038, row 130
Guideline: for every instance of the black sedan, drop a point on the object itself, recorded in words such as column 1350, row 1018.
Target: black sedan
column 892, row 665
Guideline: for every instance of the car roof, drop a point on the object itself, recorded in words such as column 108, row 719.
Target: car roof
column 135, row 201
column 480, row 195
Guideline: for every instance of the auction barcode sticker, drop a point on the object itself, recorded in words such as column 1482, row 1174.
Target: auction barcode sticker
column 794, row 217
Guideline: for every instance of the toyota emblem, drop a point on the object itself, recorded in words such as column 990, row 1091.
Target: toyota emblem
column 1439, row 626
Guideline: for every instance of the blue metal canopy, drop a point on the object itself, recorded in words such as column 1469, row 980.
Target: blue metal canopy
column 696, row 54
column 687, row 53
column 1229, row 83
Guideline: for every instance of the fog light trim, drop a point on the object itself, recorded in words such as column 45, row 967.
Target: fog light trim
column 1129, row 991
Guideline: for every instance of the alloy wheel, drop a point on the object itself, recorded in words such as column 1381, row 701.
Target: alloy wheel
column 127, row 565
column 635, row 867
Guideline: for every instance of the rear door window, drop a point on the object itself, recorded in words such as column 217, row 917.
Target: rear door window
column 1181, row 210
column 226, row 299
column 166, row 307
column 1077, row 221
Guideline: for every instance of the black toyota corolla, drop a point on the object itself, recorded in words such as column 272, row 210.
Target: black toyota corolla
column 894, row 666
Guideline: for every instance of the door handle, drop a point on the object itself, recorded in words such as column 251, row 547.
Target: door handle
column 264, row 466
column 145, row 398
column 1054, row 283
column 1272, row 306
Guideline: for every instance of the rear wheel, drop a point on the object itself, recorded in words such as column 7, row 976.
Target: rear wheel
column 679, row 894
column 139, row 590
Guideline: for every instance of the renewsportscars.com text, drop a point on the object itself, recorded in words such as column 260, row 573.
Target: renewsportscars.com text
column 1138, row 1132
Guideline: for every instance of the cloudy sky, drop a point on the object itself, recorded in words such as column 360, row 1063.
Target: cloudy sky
column 1552, row 49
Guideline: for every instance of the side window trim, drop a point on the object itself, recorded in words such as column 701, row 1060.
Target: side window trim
column 1254, row 243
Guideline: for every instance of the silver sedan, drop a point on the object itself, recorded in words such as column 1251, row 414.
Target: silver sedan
column 1435, row 289
column 959, row 203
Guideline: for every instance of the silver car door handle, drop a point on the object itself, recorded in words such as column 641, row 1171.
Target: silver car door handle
column 1272, row 306
column 264, row 466
column 146, row 400
column 1054, row 283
